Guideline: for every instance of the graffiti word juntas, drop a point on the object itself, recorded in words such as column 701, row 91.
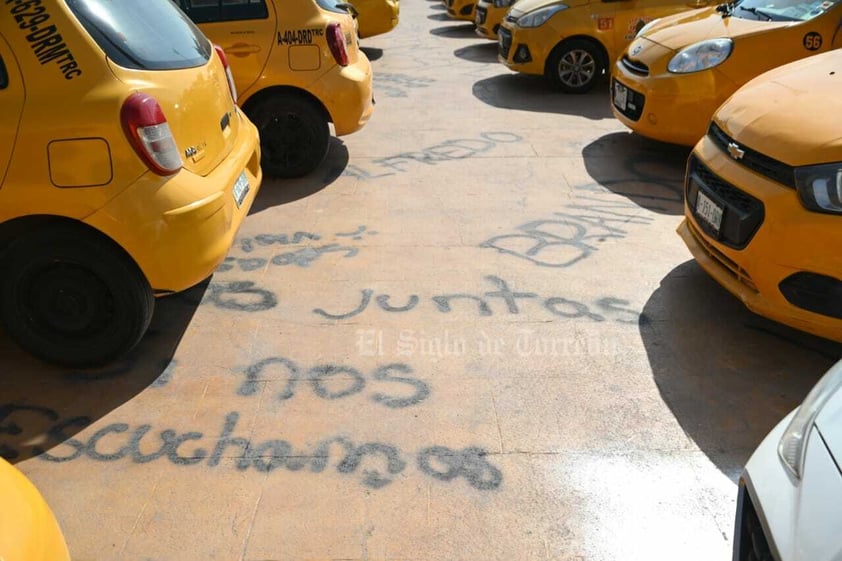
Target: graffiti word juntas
column 505, row 297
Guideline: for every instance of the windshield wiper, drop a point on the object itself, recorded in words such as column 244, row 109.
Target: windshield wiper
column 767, row 15
column 757, row 12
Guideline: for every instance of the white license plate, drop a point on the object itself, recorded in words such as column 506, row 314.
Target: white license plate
column 621, row 96
column 241, row 189
column 709, row 211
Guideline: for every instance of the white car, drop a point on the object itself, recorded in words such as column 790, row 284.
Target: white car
column 790, row 502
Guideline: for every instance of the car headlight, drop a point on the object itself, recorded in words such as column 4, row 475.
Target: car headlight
column 820, row 187
column 503, row 3
column 647, row 27
column 701, row 56
column 793, row 445
column 540, row 17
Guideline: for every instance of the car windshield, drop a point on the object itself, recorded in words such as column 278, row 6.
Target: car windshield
column 147, row 35
column 782, row 10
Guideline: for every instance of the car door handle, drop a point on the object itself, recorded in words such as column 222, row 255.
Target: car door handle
column 242, row 49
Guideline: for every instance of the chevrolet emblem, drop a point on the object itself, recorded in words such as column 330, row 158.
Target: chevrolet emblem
column 736, row 152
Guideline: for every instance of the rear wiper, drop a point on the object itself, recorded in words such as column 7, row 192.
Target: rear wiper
column 349, row 8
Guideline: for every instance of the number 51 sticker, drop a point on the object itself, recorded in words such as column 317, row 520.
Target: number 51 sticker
column 812, row 41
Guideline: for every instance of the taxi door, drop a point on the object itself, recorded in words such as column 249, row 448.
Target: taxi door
column 626, row 18
column 11, row 105
column 245, row 30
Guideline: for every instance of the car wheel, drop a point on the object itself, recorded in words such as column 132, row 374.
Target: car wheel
column 574, row 66
column 294, row 135
column 71, row 297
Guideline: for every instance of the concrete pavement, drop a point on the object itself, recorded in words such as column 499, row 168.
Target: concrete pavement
column 473, row 334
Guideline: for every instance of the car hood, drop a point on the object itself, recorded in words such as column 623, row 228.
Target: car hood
column 525, row 6
column 681, row 30
column 792, row 113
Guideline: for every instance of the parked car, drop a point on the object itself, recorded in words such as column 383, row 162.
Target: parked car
column 571, row 43
column 463, row 10
column 790, row 495
column 375, row 17
column 297, row 67
column 125, row 171
column 763, row 195
column 28, row 529
column 672, row 78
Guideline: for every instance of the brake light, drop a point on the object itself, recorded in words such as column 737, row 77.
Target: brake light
column 231, row 86
column 336, row 42
column 150, row 134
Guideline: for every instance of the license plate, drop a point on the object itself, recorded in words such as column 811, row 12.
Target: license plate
column 709, row 211
column 621, row 96
column 241, row 189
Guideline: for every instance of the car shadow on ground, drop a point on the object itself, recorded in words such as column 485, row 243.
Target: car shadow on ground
column 532, row 93
column 482, row 52
column 647, row 172
column 461, row 31
column 439, row 17
column 42, row 405
column 275, row 192
column 727, row 375
column 372, row 53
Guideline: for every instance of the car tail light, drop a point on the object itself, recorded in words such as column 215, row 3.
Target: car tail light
column 336, row 42
column 147, row 129
column 224, row 59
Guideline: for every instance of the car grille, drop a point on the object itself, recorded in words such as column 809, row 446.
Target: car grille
column 750, row 542
column 742, row 213
column 635, row 67
column 753, row 160
column 482, row 13
column 504, row 42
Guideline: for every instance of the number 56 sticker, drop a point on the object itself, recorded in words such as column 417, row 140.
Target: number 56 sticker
column 812, row 41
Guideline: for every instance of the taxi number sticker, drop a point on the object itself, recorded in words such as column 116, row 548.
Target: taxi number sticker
column 605, row 24
column 299, row 36
column 635, row 26
column 46, row 42
column 812, row 41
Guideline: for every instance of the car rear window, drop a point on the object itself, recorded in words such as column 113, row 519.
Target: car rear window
column 339, row 6
column 145, row 35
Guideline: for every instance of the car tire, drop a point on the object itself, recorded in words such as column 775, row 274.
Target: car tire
column 294, row 135
column 574, row 66
column 71, row 297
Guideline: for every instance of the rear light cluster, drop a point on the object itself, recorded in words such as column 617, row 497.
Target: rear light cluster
column 231, row 86
column 150, row 134
column 336, row 42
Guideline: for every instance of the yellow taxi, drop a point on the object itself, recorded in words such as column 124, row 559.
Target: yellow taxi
column 28, row 529
column 763, row 196
column 488, row 16
column 375, row 17
column 297, row 67
column 126, row 170
column 679, row 69
column 463, row 10
column 573, row 42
